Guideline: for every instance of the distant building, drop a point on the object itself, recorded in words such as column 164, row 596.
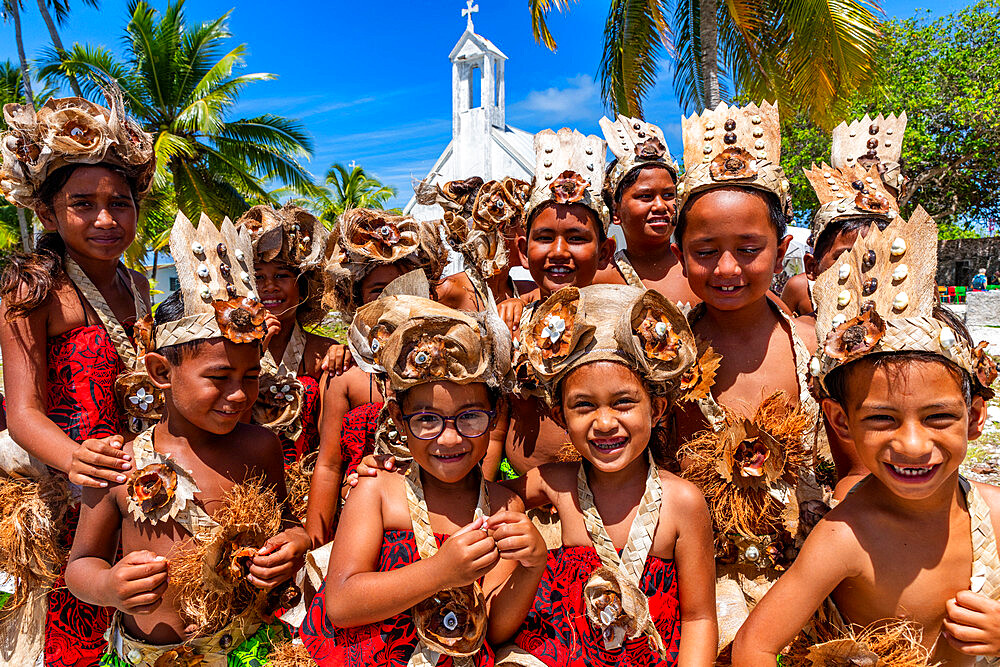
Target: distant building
column 482, row 144
column 164, row 283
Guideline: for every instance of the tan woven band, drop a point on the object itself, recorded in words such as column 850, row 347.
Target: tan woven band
column 213, row 649
column 202, row 326
column 627, row 270
column 100, row 305
column 292, row 357
column 640, row 535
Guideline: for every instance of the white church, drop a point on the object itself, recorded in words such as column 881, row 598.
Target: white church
column 482, row 144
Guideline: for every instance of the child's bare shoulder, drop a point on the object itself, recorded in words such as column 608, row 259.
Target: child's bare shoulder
column 316, row 348
column 805, row 327
column 680, row 493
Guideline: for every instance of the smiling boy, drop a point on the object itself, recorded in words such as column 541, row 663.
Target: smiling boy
column 906, row 390
column 565, row 245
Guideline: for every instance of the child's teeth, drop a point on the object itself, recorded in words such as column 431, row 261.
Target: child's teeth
column 910, row 472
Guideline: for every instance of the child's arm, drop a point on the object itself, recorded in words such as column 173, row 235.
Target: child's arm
column 532, row 486
column 24, row 341
column 498, row 441
column 358, row 594
column 324, row 489
column 135, row 584
column 511, row 585
column 694, row 557
column 822, row 564
column 281, row 556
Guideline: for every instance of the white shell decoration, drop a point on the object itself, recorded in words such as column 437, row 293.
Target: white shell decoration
column 245, row 277
column 844, row 272
column 843, row 298
column 197, row 248
column 239, row 255
column 901, row 301
column 758, row 144
column 838, row 319
column 900, row 272
column 206, row 294
column 203, row 271
column 251, row 296
column 898, row 247
column 814, row 367
column 946, row 337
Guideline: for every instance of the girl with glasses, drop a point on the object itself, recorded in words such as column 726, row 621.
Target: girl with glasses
column 398, row 589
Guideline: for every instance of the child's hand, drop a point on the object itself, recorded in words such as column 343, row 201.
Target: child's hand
column 972, row 624
column 467, row 555
column 279, row 559
column 338, row 359
column 370, row 466
column 138, row 581
column 97, row 462
column 273, row 325
column 510, row 312
column 517, row 539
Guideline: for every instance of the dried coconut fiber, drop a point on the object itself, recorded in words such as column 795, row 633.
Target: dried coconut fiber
column 888, row 643
column 208, row 571
column 30, row 549
column 298, row 477
column 289, row 654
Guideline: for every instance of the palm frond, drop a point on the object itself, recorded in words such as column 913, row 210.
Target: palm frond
column 539, row 24
column 635, row 36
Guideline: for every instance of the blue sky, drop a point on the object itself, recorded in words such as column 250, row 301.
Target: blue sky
column 371, row 81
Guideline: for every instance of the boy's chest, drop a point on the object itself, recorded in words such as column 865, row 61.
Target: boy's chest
column 913, row 579
column 754, row 367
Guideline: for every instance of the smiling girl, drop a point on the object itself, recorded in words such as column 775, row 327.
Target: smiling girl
column 633, row 583
column 68, row 309
column 399, row 590
column 640, row 190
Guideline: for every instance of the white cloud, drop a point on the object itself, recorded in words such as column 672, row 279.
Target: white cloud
column 580, row 99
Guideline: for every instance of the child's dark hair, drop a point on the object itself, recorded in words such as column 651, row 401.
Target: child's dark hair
column 839, row 378
column 824, row 243
column 613, row 199
column 171, row 309
column 601, row 235
column 28, row 278
column 775, row 212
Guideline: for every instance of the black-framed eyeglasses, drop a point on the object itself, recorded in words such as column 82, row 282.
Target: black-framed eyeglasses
column 426, row 425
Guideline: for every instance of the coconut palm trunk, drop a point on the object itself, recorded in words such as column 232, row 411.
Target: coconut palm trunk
column 15, row 14
column 57, row 42
column 709, row 28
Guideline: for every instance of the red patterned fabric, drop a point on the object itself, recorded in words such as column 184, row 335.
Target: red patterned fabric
column 308, row 440
column 390, row 642
column 357, row 435
column 82, row 367
column 558, row 632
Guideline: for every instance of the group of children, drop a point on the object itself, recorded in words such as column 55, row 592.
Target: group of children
column 632, row 460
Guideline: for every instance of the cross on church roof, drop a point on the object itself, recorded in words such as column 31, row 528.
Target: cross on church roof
column 470, row 8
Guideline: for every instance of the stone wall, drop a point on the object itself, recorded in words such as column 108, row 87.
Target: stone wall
column 960, row 259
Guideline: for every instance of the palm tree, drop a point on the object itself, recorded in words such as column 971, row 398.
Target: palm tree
column 12, row 9
column 179, row 83
column 807, row 54
column 349, row 187
column 61, row 8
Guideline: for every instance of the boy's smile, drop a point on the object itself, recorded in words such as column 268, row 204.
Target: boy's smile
column 564, row 248
column 730, row 248
column 909, row 422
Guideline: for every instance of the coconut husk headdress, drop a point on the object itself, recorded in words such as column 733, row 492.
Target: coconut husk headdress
column 880, row 297
column 734, row 146
column 478, row 216
column 638, row 328
column 848, row 192
column 569, row 169
column 635, row 144
column 365, row 239
column 215, row 269
column 70, row 130
column 412, row 340
column 872, row 142
column 296, row 238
